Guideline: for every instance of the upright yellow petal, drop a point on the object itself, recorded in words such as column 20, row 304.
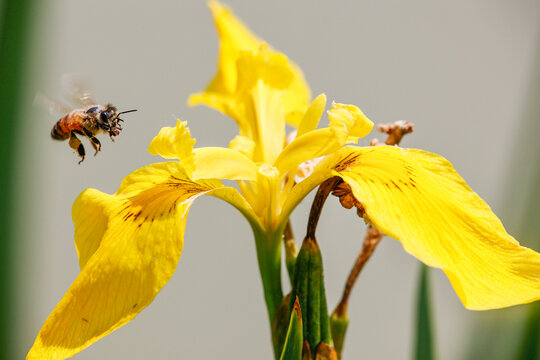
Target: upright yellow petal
column 175, row 143
column 312, row 116
column 236, row 38
column 418, row 198
column 129, row 245
column 272, row 68
column 163, row 143
column 269, row 122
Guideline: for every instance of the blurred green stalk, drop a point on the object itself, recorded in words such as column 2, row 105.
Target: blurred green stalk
column 14, row 36
column 424, row 349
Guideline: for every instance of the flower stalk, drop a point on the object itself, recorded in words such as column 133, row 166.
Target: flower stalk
column 268, row 246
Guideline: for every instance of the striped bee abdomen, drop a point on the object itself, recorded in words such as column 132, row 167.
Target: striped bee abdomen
column 58, row 131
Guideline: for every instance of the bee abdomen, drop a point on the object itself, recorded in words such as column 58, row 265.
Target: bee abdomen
column 57, row 132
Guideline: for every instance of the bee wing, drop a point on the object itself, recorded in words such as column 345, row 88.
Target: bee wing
column 77, row 91
column 54, row 107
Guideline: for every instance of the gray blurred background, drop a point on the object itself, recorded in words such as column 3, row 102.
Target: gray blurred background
column 461, row 71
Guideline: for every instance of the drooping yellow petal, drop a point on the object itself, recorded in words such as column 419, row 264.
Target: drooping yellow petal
column 419, row 199
column 223, row 163
column 175, row 143
column 129, row 246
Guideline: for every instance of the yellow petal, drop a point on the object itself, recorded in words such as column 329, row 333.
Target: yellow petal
column 349, row 120
column 299, row 191
column 223, row 163
column 269, row 122
column 312, row 116
column 163, row 143
column 226, row 104
column 184, row 146
column 243, row 144
column 129, row 246
column 236, row 38
column 308, row 146
column 175, row 143
column 272, row 68
column 419, row 199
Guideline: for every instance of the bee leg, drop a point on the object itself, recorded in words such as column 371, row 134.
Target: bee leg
column 93, row 140
column 96, row 144
column 76, row 145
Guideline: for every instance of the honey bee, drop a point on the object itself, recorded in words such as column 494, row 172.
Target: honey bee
column 89, row 121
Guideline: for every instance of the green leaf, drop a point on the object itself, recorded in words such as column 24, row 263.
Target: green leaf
column 15, row 28
column 530, row 342
column 424, row 349
column 292, row 348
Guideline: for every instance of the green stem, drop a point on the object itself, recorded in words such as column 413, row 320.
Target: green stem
column 424, row 349
column 268, row 245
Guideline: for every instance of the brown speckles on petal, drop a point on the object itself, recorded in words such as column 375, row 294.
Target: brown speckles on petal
column 396, row 186
column 137, row 215
column 127, row 216
column 346, row 162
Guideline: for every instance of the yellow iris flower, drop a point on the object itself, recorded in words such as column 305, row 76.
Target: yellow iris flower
column 129, row 243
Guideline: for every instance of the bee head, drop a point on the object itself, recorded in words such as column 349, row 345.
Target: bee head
column 108, row 115
column 111, row 121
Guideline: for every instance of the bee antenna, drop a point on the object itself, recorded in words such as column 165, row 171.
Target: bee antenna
column 127, row 111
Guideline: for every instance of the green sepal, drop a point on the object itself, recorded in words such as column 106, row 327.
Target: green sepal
column 280, row 325
column 326, row 335
column 338, row 325
column 292, row 348
column 308, row 286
